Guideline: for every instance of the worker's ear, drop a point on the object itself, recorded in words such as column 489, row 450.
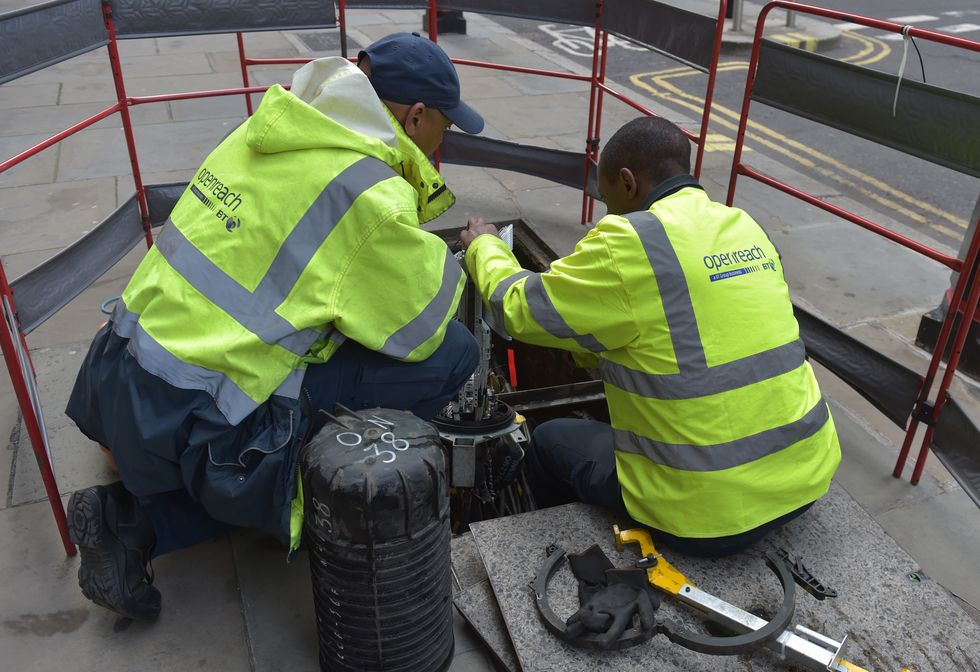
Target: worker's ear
column 413, row 119
column 628, row 180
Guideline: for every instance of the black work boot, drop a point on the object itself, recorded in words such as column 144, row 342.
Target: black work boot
column 115, row 537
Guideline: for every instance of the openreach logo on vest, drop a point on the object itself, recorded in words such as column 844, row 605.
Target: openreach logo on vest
column 735, row 257
column 220, row 194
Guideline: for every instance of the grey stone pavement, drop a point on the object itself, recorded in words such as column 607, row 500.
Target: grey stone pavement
column 234, row 604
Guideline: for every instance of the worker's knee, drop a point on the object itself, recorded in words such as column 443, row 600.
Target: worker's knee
column 460, row 354
column 547, row 438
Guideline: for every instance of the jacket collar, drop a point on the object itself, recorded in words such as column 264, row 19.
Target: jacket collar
column 670, row 186
column 434, row 197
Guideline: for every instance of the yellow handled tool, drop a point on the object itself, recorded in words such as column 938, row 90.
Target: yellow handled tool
column 798, row 645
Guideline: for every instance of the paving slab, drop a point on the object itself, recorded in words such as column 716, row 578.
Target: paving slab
column 135, row 62
column 255, row 43
column 467, row 566
column 486, row 87
column 477, row 195
column 78, row 463
column 19, row 263
column 517, row 182
column 856, row 275
column 277, row 605
column 541, row 115
column 78, row 321
column 47, row 624
column 10, row 428
column 272, row 75
column 915, row 516
column 895, row 337
column 555, row 213
column 228, row 61
column 891, row 621
column 210, row 108
column 948, row 546
column 138, row 47
column 478, row 606
column 103, row 90
column 481, row 49
column 103, row 152
column 536, row 85
column 39, row 169
column 474, row 660
column 64, row 210
column 14, row 95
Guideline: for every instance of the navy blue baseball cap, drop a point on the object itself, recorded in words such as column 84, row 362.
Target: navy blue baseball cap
column 408, row 68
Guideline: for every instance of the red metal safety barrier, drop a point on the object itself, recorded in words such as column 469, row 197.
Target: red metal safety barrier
column 18, row 360
column 959, row 303
column 12, row 337
column 597, row 85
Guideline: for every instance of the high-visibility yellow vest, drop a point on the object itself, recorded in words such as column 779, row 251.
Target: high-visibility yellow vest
column 290, row 238
column 718, row 420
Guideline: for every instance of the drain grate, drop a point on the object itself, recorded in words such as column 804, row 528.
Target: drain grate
column 320, row 41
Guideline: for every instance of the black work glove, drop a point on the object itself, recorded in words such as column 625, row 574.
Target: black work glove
column 610, row 611
column 589, row 567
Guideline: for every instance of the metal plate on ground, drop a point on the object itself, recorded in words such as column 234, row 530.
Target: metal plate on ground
column 891, row 622
column 478, row 606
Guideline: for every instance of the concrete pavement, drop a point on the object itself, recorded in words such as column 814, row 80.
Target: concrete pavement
column 223, row 600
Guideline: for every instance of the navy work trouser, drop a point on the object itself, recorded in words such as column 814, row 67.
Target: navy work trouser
column 357, row 378
column 573, row 460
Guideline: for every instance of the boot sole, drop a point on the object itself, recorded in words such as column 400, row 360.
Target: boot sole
column 99, row 573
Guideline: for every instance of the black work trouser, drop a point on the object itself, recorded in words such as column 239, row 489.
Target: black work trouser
column 573, row 460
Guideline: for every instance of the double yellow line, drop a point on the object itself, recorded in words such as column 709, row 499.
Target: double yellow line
column 871, row 50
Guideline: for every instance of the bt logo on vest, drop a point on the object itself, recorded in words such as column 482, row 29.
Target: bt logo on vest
column 231, row 224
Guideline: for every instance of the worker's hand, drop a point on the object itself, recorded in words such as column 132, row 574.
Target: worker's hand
column 475, row 226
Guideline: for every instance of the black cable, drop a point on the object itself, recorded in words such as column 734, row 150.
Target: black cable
column 922, row 65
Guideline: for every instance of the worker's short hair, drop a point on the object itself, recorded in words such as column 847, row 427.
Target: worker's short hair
column 651, row 147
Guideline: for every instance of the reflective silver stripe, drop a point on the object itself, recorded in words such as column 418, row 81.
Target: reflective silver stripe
column 256, row 310
column 724, row 455
column 550, row 319
column 149, row 353
column 291, row 386
column 683, row 325
column 424, row 325
column 230, row 399
column 123, row 321
column 497, row 298
column 693, row 383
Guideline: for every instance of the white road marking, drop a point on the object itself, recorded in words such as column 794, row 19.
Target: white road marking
column 914, row 18
column 849, row 26
column 959, row 28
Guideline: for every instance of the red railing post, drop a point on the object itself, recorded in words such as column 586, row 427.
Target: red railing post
column 597, row 131
column 710, row 89
column 956, row 305
column 969, row 312
column 342, row 22
column 590, row 140
column 959, row 304
column 19, row 366
column 127, row 122
column 241, row 60
column 433, row 20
